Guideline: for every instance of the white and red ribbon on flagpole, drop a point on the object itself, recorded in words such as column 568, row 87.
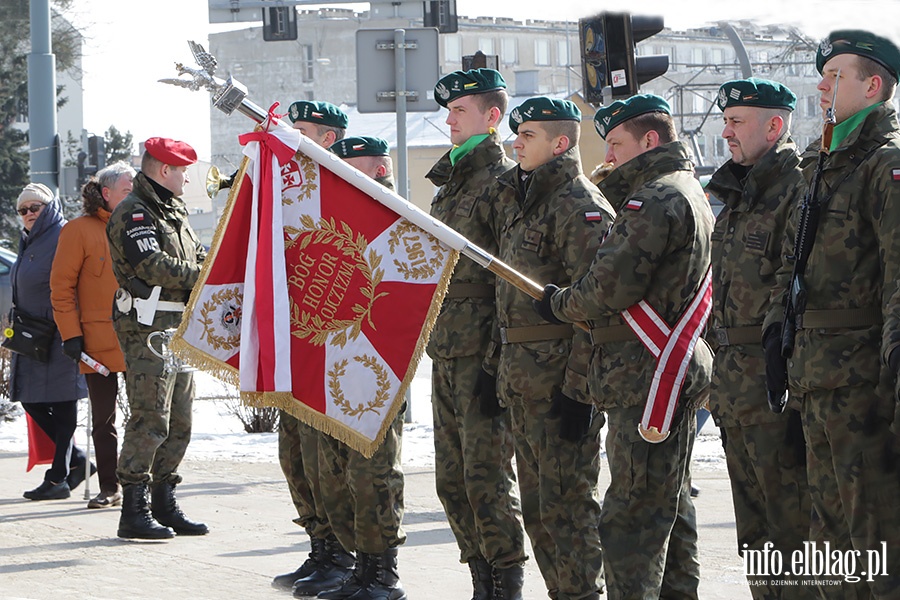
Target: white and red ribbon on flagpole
column 265, row 329
column 673, row 349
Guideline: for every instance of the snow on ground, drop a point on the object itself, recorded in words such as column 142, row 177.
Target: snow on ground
column 219, row 435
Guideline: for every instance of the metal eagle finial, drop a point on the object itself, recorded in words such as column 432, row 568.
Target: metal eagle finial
column 202, row 77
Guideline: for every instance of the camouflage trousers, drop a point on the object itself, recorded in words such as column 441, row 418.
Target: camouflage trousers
column 473, row 467
column 767, row 467
column 363, row 497
column 298, row 453
column 852, row 466
column 648, row 526
column 158, row 431
column 560, row 500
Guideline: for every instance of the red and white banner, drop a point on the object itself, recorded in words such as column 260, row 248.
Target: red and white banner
column 673, row 349
column 315, row 297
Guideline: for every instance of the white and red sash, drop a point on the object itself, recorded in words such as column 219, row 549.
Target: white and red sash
column 673, row 349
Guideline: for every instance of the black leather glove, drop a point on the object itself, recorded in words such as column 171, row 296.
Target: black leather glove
column 575, row 417
column 73, row 347
column 486, row 392
column 227, row 183
column 776, row 369
column 542, row 306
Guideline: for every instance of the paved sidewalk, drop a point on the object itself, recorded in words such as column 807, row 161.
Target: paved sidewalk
column 59, row 549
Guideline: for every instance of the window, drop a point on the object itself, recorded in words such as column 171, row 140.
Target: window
column 700, row 103
column 717, row 56
column 721, row 146
column 542, row 52
column 562, row 53
column 486, row 45
column 452, row 49
column 307, row 62
column 812, row 106
column 697, row 56
column 509, row 51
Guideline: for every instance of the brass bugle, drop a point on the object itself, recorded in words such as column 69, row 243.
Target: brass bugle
column 215, row 182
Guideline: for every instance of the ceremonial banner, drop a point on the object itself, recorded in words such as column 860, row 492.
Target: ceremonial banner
column 315, row 298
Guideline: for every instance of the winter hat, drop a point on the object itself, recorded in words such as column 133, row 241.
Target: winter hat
column 35, row 192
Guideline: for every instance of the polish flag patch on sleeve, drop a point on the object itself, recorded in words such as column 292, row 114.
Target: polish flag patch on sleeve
column 593, row 216
column 138, row 216
column 895, row 174
column 634, row 205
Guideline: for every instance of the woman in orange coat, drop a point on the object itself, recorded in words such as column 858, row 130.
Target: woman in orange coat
column 82, row 288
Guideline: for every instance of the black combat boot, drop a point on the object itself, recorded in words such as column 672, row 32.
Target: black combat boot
column 356, row 582
column 165, row 510
column 481, row 579
column 335, row 568
column 382, row 581
column 508, row 582
column 136, row 521
column 316, row 552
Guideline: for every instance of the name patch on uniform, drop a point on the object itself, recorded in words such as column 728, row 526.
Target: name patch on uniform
column 593, row 216
column 634, row 205
column 895, row 174
column 757, row 240
column 465, row 206
column 532, row 240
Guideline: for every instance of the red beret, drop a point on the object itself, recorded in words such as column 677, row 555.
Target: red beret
column 170, row 152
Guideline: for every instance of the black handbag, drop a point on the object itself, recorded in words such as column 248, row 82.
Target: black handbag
column 29, row 336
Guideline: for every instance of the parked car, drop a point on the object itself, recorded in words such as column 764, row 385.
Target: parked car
column 7, row 260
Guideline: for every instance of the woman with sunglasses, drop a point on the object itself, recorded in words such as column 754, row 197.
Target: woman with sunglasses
column 48, row 390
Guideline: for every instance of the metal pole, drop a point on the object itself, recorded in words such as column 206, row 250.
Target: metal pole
column 42, row 137
column 87, row 452
column 402, row 183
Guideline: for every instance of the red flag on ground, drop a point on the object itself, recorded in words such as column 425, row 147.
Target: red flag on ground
column 315, row 297
column 40, row 447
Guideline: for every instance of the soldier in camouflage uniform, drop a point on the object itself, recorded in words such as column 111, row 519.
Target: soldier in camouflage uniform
column 845, row 359
column 374, row 486
column 472, row 439
column 550, row 217
column 658, row 251
column 152, row 245
column 298, row 443
column 764, row 451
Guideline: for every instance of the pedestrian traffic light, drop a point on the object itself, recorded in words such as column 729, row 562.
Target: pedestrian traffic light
column 607, row 54
column 441, row 14
column 279, row 23
column 97, row 151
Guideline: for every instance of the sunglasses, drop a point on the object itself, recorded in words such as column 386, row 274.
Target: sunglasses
column 34, row 208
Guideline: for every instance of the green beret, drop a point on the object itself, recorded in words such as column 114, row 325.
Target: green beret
column 543, row 109
column 760, row 93
column 861, row 43
column 320, row 113
column 352, row 147
column 464, row 83
column 608, row 117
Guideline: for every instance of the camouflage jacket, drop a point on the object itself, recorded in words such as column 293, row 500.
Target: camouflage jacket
column 545, row 233
column 657, row 250
column 855, row 259
column 464, row 203
column 746, row 253
column 151, row 240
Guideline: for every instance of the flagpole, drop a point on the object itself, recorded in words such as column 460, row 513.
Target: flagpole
column 231, row 95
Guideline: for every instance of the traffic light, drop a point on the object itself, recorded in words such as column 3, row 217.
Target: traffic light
column 279, row 23
column 97, row 152
column 441, row 14
column 607, row 54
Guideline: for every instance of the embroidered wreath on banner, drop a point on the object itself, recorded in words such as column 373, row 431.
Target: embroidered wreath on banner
column 305, row 325
column 308, row 166
column 220, row 342
column 421, row 268
column 381, row 380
